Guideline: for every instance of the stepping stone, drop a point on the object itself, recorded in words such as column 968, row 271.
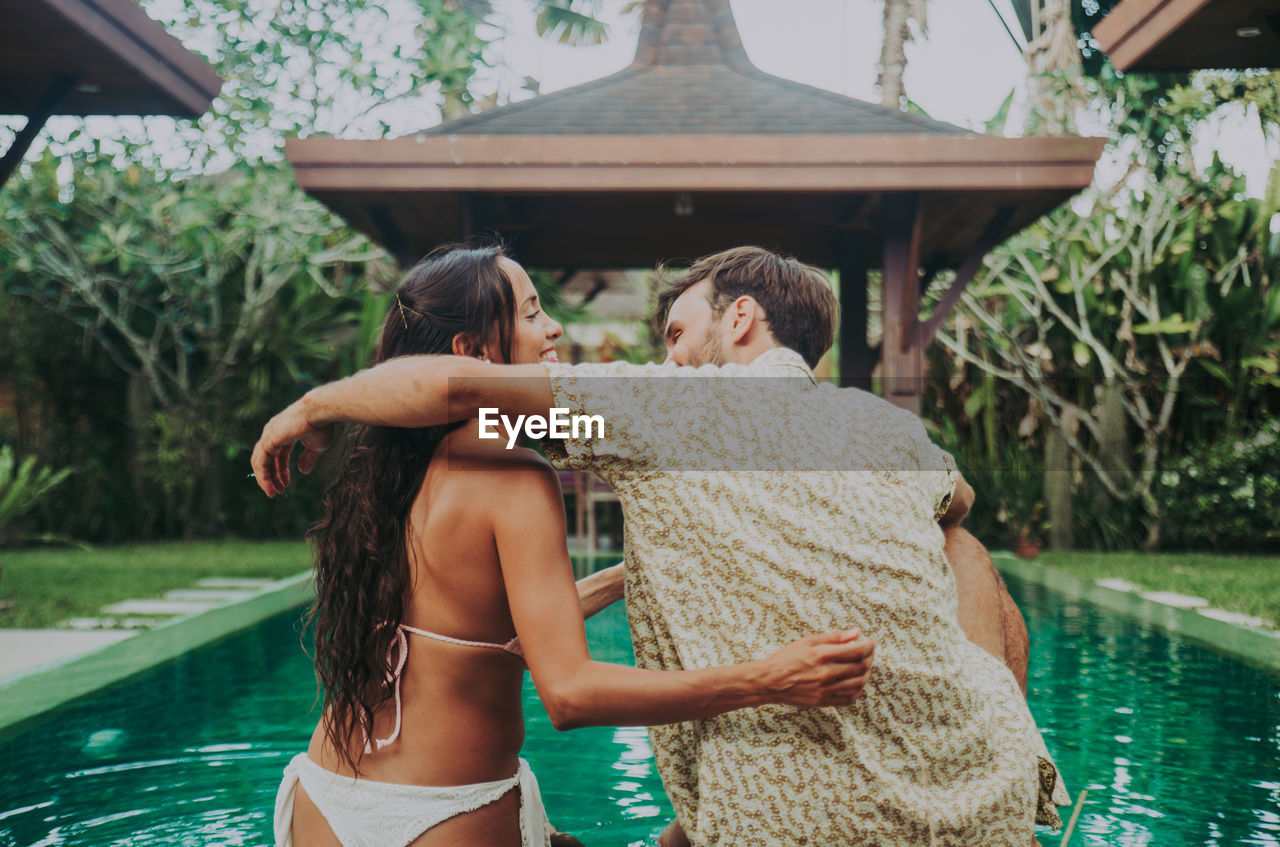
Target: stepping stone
column 159, row 607
column 246, row 583
column 1235, row 618
column 1117, row 584
column 89, row 624
column 196, row 595
column 1170, row 598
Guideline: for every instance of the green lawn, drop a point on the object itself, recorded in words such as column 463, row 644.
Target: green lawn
column 47, row 585
column 1248, row 584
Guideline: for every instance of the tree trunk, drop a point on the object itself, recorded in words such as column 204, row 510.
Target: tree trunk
column 1113, row 445
column 1053, row 48
column 893, row 52
column 138, row 413
column 1057, row 488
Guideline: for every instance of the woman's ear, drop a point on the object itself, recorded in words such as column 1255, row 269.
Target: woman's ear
column 464, row 345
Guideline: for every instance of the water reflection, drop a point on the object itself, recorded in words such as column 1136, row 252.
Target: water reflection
column 1167, row 736
column 1177, row 745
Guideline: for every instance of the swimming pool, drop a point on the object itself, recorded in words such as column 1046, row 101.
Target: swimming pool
column 1176, row 744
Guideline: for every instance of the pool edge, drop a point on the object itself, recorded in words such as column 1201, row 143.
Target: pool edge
column 30, row 694
column 1252, row 646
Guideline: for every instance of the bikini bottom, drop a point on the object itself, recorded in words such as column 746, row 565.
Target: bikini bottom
column 365, row 813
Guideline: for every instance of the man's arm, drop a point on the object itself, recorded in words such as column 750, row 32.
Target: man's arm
column 412, row 391
column 600, row 590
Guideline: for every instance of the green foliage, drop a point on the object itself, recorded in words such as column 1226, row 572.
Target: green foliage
column 1169, row 292
column 205, row 304
column 22, row 485
column 559, row 20
column 577, row 22
column 1225, row 495
column 359, row 68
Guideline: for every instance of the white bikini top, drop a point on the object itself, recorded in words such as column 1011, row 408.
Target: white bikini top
column 401, row 646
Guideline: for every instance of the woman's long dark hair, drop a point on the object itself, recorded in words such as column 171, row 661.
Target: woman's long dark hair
column 362, row 556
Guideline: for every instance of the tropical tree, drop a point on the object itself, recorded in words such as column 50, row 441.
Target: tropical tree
column 904, row 21
column 311, row 67
column 1158, row 312
column 203, row 292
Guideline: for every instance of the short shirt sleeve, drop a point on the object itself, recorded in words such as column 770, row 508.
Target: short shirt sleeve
column 632, row 405
column 944, row 477
column 935, row 467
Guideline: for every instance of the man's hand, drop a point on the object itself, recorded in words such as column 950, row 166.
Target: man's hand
column 821, row 670
column 275, row 446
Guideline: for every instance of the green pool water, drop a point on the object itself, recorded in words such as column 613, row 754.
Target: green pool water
column 1176, row 744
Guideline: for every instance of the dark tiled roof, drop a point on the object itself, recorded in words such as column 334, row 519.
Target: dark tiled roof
column 691, row 76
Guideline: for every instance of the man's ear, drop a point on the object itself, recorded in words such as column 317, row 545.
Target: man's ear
column 745, row 314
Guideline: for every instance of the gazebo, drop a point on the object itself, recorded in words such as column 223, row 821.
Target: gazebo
column 1161, row 35
column 92, row 57
column 692, row 149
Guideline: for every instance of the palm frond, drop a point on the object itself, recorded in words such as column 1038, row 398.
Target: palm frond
column 559, row 20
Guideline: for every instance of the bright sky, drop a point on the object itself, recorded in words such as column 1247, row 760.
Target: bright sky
column 960, row 73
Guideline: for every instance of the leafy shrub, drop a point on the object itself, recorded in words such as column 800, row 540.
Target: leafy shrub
column 21, row 486
column 1226, row 495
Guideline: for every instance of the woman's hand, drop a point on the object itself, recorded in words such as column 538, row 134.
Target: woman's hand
column 820, row 670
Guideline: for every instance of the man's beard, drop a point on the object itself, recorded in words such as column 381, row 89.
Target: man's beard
column 712, row 350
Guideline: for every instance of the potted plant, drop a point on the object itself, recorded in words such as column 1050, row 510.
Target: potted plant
column 1026, row 528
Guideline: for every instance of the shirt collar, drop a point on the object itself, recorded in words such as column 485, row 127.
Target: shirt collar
column 782, row 361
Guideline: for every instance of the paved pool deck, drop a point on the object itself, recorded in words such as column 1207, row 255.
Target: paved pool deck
column 42, row 670
column 1239, row 636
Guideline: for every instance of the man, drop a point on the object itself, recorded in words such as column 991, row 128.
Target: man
column 756, row 508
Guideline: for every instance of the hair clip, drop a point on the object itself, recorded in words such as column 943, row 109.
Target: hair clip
column 404, row 308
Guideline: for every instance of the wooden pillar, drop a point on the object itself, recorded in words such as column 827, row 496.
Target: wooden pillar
column 35, row 122
column 901, row 352
column 857, row 359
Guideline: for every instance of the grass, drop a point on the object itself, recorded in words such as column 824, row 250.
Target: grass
column 48, row 585
column 1248, row 584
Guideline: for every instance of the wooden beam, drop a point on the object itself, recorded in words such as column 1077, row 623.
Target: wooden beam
column 1134, row 28
column 125, row 61
column 35, row 122
column 902, row 366
column 992, row 235
column 813, row 163
column 857, row 360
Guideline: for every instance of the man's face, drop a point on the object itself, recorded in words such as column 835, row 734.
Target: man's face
column 693, row 335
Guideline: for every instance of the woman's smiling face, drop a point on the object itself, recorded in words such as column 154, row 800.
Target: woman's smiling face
column 535, row 332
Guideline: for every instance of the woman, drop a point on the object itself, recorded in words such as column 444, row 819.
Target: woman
column 442, row 573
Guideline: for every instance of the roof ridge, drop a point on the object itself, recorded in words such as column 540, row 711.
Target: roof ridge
column 689, row 32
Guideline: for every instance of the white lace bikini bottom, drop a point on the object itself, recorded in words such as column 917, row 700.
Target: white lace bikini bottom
column 364, row 813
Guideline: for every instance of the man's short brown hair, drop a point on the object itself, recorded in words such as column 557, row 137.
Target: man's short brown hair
column 798, row 303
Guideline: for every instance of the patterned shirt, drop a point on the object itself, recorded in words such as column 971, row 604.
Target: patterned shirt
column 762, row 510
